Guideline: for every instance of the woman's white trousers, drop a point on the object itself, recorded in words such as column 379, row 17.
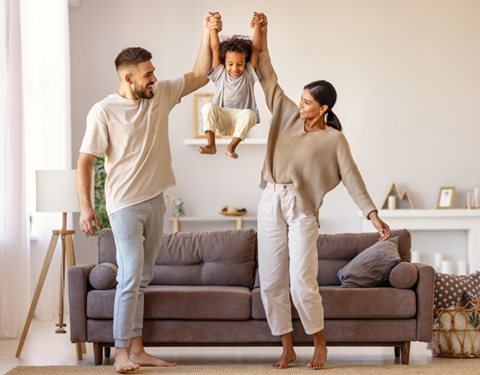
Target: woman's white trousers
column 288, row 261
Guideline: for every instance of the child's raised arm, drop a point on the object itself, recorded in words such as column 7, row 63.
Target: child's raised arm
column 257, row 39
column 215, row 45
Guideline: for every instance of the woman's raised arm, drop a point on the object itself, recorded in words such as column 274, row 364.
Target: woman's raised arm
column 274, row 95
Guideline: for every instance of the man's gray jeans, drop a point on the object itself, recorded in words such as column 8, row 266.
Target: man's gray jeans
column 138, row 231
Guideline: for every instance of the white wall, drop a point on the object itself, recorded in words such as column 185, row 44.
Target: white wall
column 406, row 73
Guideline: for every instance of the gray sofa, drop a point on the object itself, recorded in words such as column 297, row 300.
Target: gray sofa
column 205, row 292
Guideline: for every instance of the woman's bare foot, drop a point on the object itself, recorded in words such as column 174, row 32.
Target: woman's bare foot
column 209, row 149
column 287, row 357
column 319, row 358
column 123, row 363
column 145, row 359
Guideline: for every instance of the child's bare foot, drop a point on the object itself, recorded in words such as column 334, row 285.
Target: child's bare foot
column 231, row 153
column 209, row 149
column 232, row 146
column 145, row 359
column 319, row 358
column 286, row 358
column 123, row 363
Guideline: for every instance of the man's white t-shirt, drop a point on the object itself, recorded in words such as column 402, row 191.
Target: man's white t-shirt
column 133, row 135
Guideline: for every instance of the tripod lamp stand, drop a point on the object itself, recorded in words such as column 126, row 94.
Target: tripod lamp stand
column 56, row 192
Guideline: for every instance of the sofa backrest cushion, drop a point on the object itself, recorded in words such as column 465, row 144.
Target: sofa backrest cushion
column 335, row 251
column 200, row 258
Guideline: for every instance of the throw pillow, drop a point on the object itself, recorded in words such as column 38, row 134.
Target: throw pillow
column 103, row 276
column 448, row 288
column 371, row 267
column 403, row 276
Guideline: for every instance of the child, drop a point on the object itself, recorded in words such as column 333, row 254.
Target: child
column 233, row 111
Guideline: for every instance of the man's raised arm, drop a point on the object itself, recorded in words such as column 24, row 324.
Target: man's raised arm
column 198, row 76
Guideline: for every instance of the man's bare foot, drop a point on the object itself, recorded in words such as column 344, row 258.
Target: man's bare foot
column 123, row 363
column 209, row 149
column 287, row 357
column 319, row 358
column 145, row 359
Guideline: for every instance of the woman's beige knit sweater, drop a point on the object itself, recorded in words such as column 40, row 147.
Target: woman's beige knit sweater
column 314, row 162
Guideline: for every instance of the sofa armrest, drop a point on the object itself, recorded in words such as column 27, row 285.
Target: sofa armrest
column 424, row 289
column 78, row 286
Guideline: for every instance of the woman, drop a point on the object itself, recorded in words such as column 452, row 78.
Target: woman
column 307, row 156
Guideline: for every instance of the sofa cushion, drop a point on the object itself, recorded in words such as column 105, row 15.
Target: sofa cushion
column 448, row 288
column 104, row 276
column 223, row 258
column 179, row 302
column 404, row 275
column 355, row 303
column 335, row 251
column 371, row 267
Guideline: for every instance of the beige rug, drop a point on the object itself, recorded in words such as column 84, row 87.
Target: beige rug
column 253, row 370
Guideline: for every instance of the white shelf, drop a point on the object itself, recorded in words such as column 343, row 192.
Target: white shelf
column 416, row 213
column 225, row 141
column 214, row 218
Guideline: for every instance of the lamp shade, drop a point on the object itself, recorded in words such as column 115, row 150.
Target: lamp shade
column 57, row 191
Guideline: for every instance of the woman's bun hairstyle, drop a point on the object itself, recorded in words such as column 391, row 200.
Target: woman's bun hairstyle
column 325, row 94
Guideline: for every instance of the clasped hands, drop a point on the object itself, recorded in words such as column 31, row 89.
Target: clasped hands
column 213, row 20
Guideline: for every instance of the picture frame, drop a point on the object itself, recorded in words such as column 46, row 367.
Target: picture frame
column 198, row 102
column 446, row 197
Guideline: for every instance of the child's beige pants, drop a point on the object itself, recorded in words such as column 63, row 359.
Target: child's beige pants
column 288, row 261
column 228, row 121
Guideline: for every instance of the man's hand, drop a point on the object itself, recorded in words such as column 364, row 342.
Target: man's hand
column 213, row 21
column 84, row 183
column 86, row 217
column 259, row 18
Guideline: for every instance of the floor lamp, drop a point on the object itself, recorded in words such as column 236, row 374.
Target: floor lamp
column 56, row 192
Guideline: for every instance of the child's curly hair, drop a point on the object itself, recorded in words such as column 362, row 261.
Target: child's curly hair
column 236, row 43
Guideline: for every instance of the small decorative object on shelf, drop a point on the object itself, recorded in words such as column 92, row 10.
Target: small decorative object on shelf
column 462, row 267
column 473, row 198
column 233, row 211
column 447, row 267
column 392, row 202
column 446, row 197
column 438, row 262
column 415, row 257
column 178, row 210
column 395, row 200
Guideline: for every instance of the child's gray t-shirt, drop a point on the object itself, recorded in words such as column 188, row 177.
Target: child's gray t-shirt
column 235, row 92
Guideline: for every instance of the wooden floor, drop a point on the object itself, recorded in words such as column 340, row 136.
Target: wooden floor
column 44, row 347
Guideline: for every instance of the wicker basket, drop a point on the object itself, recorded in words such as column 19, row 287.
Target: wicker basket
column 457, row 333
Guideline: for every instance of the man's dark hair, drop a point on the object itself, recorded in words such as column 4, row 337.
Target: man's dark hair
column 236, row 43
column 132, row 56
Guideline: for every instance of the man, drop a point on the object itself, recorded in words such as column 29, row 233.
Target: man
column 130, row 127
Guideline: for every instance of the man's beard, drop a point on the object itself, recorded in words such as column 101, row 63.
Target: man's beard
column 142, row 93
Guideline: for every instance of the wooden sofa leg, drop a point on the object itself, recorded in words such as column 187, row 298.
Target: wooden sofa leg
column 97, row 353
column 397, row 351
column 406, row 353
column 107, row 352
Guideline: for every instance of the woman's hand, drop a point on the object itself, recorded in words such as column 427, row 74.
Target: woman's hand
column 380, row 226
